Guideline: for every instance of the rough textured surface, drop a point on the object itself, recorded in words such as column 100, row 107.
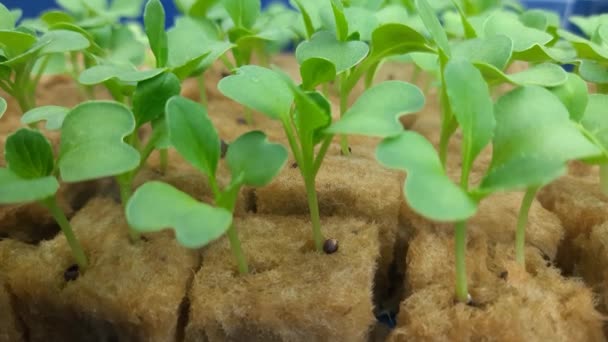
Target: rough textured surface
column 278, row 301
column 593, row 262
column 10, row 330
column 510, row 304
column 350, row 186
column 130, row 292
column 580, row 205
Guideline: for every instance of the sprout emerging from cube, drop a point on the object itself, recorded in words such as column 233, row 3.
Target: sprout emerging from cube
column 252, row 160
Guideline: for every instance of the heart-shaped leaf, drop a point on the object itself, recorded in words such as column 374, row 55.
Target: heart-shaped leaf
column 254, row 160
column 53, row 115
column 396, row 39
column 324, row 44
column 14, row 43
column 585, row 49
column 92, row 142
column 29, row 154
column 472, row 106
column 316, row 71
column 14, row 189
column 377, row 111
column 156, row 206
column 495, row 50
column 101, row 73
column 250, row 87
column 244, row 13
column 151, row 96
column 192, row 134
column 574, row 95
column 545, row 75
column 154, row 24
column 428, row 190
column 592, row 71
column 534, row 138
column 362, row 21
column 432, row 24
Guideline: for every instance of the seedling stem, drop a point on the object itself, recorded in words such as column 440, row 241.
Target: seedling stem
column 344, row 92
column 313, row 205
column 66, row 228
column 462, row 292
column 522, row 221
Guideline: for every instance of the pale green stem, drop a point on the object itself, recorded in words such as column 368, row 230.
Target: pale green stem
column 321, row 155
column 522, row 221
column 460, row 244
column 313, row 205
column 248, row 113
column 343, row 107
column 237, row 250
column 124, row 184
column 164, row 160
column 66, row 228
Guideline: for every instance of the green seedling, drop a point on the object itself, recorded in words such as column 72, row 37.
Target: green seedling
column 353, row 59
column 30, row 177
column 20, row 52
column 305, row 124
column 527, row 153
column 252, row 160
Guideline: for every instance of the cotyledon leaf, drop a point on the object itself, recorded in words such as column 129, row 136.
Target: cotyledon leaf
column 14, row 189
column 92, row 142
column 29, row 154
column 316, row 71
column 377, row 111
column 324, row 44
column 574, row 95
column 546, row 75
column 156, row 206
column 53, row 115
column 428, row 190
column 101, row 73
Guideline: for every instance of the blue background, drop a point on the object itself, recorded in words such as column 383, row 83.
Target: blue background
column 565, row 8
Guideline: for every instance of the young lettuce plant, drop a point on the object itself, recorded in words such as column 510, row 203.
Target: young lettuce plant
column 253, row 161
column 526, row 151
column 30, row 177
column 353, row 59
column 304, row 124
column 21, row 50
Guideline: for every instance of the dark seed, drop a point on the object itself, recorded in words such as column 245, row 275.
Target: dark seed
column 241, row 121
column 223, row 148
column 71, row 273
column 330, row 246
column 546, row 257
column 350, row 150
column 504, row 275
column 294, row 165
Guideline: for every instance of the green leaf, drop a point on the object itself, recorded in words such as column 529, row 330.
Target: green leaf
column 92, row 142
column 156, row 206
column 495, row 50
column 192, row 134
column 595, row 121
column 428, row 190
column 14, row 43
column 101, row 73
column 523, row 37
column 306, row 18
column 534, row 139
column 574, row 95
column 127, row 9
column 472, row 106
column 254, row 160
column 431, row 22
column 244, row 13
column 55, row 17
column 251, row 86
column 546, row 75
column 152, row 94
column 14, row 189
column 3, row 106
column 585, row 49
column 592, row 71
column 339, row 20
column 53, row 115
column 29, row 154
column 362, row 21
column 377, row 111
column 154, row 23
column 7, row 21
column 343, row 54
column 124, row 47
column 316, row 71
column 61, row 41
column 397, row 39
